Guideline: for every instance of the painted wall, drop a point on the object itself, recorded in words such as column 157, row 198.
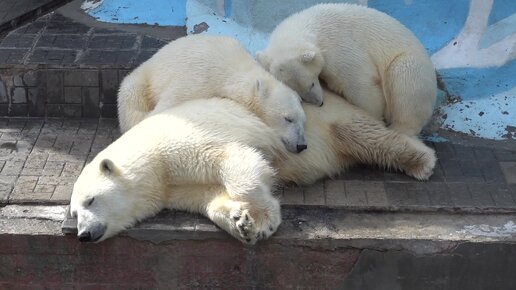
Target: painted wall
column 471, row 42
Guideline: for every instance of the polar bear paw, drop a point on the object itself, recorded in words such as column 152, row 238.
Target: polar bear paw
column 252, row 225
column 422, row 165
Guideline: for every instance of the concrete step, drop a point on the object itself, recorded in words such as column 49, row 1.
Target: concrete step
column 313, row 248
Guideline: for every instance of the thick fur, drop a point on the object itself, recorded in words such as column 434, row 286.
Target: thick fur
column 207, row 66
column 190, row 158
column 362, row 54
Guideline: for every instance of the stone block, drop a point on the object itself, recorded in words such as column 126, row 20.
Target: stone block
column 110, row 85
column 91, row 101
column 19, row 96
column 3, row 93
column 72, row 95
column 81, row 78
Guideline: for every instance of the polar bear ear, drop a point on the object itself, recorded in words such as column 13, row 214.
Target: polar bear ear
column 263, row 59
column 260, row 89
column 107, row 167
column 308, row 56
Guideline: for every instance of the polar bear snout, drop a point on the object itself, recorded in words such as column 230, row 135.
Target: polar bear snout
column 92, row 233
column 301, row 147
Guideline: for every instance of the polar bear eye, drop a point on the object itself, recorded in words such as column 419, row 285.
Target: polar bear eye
column 313, row 85
column 90, row 201
column 289, row 120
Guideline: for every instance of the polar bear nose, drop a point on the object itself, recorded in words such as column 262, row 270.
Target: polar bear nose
column 301, row 147
column 84, row 236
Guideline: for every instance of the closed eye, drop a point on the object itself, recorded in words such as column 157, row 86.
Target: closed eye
column 90, row 201
column 289, row 120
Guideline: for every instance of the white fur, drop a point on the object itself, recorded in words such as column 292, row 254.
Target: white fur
column 213, row 157
column 206, row 66
column 362, row 54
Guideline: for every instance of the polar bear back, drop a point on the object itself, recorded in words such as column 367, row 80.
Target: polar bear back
column 332, row 25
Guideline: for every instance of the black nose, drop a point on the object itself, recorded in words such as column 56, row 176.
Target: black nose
column 322, row 103
column 301, row 147
column 84, row 237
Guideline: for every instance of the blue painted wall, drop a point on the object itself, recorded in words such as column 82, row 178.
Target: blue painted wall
column 472, row 44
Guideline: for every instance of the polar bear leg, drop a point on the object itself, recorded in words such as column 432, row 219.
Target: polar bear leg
column 370, row 142
column 242, row 220
column 134, row 102
column 410, row 88
column 245, row 173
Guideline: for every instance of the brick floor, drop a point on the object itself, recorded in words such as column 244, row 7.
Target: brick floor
column 40, row 160
column 56, row 40
column 14, row 12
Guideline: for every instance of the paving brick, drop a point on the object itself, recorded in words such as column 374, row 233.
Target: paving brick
column 12, row 55
column 52, row 56
column 62, row 193
column 31, row 28
column 53, row 168
column 30, row 78
column 481, row 195
column 72, row 169
column 36, row 103
column 72, row 95
column 67, row 157
column 61, row 41
column 19, row 96
column 57, row 27
column 491, row 171
column 354, row 194
column 292, row 195
column 24, row 185
column 36, row 161
column 335, row 192
column 360, row 172
column 18, row 40
column 314, row 194
column 509, row 171
column 460, row 195
column 109, row 111
column 55, row 180
column 72, row 111
column 6, row 185
column 112, row 42
column 152, row 43
column 12, row 168
column 91, row 101
column 107, row 57
column 53, row 86
column 3, row 93
column 82, row 78
column 110, row 84
column 143, row 56
column 505, row 155
column 500, row 194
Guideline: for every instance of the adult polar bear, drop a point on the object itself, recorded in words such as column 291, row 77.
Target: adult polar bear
column 362, row 54
column 204, row 142
column 199, row 66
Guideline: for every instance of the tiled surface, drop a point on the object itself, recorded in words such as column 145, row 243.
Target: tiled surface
column 40, row 160
column 60, row 41
column 14, row 11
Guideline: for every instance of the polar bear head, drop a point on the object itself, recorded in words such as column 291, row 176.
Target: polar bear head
column 280, row 108
column 107, row 200
column 300, row 71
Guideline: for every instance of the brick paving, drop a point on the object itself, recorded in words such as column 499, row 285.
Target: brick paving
column 14, row 12
column 40, row 160
column 55, row 40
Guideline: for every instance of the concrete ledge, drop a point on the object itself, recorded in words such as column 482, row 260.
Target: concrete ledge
column 313, row 249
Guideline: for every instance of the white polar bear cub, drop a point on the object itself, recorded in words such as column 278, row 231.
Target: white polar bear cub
column 206, row 66
column 360, row 53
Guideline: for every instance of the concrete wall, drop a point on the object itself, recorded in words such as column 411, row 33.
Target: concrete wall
column 472, row 44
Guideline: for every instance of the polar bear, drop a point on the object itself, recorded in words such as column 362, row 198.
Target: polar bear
column 190, row 157
column 204, row 66
column 360, row 53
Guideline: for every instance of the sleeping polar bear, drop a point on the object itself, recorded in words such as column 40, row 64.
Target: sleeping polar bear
column 211, row 156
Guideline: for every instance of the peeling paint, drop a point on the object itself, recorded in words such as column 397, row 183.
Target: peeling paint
column 506, row 230
column 471, row 42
